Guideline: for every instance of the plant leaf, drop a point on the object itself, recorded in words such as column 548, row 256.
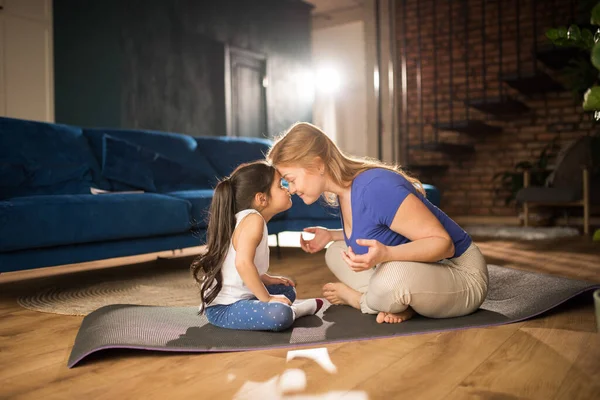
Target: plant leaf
column 562, row 32
column 595, row 20
column 595, row 56
column 574, row 33
column 562, row 42
column 587, row 38
column 552, row 34
column 591, row 99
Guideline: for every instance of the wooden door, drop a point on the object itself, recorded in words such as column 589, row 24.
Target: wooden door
column 246, row 82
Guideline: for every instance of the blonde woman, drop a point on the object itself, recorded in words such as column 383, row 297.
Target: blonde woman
column 396, row 253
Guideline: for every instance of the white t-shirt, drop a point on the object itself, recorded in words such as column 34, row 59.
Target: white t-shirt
column 234, row 288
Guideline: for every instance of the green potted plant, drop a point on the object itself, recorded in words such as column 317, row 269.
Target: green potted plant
column 583, row 72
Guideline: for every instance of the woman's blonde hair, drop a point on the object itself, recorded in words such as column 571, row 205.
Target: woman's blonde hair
column 302, row 143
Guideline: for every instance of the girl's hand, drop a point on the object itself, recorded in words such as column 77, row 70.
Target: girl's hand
column 277, row 280
column 318, row 243
column 279, row 298
column 376, row 255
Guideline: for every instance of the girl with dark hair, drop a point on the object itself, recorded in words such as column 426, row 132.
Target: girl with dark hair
column 235, row 290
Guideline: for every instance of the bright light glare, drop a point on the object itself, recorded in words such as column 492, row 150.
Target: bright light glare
column 305, row 86
column 328, row 80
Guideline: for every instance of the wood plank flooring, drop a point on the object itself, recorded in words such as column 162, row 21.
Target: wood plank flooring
column 556, row 356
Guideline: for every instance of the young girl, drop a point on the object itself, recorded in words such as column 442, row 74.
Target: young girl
column 235, row 289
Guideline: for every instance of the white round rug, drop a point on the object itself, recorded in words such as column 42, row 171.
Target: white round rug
column 521, row 232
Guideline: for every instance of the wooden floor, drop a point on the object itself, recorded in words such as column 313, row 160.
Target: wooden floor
column 556, row 356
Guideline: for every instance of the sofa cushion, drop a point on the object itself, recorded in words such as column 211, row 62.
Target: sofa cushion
column 225, row 153
column 47, row 159
column 432, row 194
column 12, row 175
column 43, row 221
column 63, row 255
column 128, row 164
column 170, row 175
column 200, row 201
column 298, row 225
column 317, row 210
column 134, row 166
column 174, row 146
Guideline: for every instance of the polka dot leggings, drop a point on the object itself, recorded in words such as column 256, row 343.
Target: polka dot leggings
column 254, row 315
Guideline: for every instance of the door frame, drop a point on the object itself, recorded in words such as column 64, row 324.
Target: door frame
column 229, row 95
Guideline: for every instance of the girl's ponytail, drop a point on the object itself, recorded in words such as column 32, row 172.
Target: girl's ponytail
column 206, row 269
column 232, row 195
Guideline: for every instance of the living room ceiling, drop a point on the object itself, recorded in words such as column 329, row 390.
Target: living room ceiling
column 329, row 6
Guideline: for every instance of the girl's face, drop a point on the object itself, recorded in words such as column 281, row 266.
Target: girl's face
column 306, row 184
column 280, row 198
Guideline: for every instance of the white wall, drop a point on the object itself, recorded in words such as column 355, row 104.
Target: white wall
column 343, row 114
column 345, row 31
column 26, row 60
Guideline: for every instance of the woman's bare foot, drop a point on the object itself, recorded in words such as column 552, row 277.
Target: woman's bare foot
column 339, row 293
column 394, row 318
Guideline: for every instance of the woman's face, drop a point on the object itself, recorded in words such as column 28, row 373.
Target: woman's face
column 306, row 184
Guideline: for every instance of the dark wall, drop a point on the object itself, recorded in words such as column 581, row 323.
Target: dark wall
column 87, row 63
column 169, row 61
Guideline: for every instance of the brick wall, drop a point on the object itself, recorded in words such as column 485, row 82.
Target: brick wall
column 469, row 71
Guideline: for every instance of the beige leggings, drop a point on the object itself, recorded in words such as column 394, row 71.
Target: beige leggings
column 449, row 288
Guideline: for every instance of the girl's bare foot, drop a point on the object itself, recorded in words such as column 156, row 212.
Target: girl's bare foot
column 339, row 293
column 394, row 318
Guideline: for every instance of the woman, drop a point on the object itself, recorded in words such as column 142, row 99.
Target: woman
column 396, row 253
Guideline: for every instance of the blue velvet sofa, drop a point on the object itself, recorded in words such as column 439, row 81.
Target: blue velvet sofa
column 157, row 190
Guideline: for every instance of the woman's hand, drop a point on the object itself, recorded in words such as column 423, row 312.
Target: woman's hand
column 376, row 255
column 276, row 280
column 318, row 243
column 279, row 298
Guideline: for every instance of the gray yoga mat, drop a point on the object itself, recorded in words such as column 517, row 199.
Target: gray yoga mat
column 513, row 296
